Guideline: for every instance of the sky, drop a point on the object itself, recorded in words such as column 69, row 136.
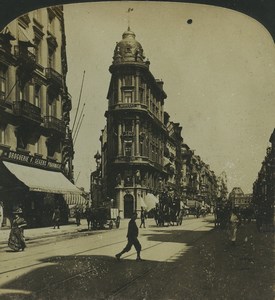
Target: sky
column 218, row 73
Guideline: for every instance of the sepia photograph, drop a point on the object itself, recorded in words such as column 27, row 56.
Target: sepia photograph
column 137, row 150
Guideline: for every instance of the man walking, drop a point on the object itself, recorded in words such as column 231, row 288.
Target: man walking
column 142, row 218
column 132, row 238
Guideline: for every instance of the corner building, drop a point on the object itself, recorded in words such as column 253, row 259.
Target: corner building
column 36, row 149
column 132, row 154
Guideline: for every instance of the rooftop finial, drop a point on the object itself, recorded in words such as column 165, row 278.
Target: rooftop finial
column 129, row 10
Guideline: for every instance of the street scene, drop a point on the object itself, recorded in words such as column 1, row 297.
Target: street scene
column 136, row 163
column 191, row 261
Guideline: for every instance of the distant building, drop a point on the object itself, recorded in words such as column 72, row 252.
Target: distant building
column 36, row 149
column 239, row 199
column 264, row 187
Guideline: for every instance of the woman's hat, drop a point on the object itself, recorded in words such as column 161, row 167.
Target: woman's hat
column 18, row 211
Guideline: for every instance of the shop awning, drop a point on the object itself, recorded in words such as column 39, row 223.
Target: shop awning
column 150, row 201
column 39, row 180
column 75, row 199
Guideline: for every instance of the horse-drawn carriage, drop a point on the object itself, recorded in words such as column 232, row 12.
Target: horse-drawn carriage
column 102, row 217
column 168, row 211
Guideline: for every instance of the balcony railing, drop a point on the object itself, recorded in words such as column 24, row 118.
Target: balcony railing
column 2, row 99
column 55, row 124
column 53, row 76
column 128, row 134
column 67, row 102
column 27, row 110
column 23, row 54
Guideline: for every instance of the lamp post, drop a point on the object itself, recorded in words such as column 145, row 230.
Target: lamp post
column 97, row 158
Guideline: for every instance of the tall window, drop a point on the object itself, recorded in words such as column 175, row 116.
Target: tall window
column 128, row 149
column 52, row 109
column 141, row 95
column 128, row 125
column 51, row 22
column 37, row 95
column 36, row 146
column 24, row 92
column 128, row 97
column 37, row 50
column 51, row 57
column 141, row 151
column 2, row 134
column 128, row 80
column 37, row 15
column 3, row 83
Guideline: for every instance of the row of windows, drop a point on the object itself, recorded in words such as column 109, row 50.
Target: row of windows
column 145, row 149
column 24, row 93
column 22, row 142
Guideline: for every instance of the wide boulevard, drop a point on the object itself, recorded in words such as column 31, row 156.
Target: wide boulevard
column 191, row 261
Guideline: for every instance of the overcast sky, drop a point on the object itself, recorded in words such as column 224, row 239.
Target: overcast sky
column 218, row 73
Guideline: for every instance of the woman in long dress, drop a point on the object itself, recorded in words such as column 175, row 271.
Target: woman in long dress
column 16, row 239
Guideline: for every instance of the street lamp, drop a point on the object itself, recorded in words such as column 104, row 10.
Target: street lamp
column 97, row 158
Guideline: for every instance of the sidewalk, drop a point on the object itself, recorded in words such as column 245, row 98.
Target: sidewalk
column 48, row 232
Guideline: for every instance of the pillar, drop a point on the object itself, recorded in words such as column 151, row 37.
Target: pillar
column 119, row 139
column 137, row 137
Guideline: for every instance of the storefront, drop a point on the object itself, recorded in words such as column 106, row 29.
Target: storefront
column 36, row 185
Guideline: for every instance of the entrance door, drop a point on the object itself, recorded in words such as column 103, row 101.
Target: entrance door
column 128, row 206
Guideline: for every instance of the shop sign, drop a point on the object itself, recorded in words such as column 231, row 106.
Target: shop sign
column 30, row 160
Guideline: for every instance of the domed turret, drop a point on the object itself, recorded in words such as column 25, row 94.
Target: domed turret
column 128, row 49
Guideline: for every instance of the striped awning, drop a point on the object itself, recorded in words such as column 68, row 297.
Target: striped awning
column 75, row 199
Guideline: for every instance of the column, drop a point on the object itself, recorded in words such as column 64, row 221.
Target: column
column 137, row 88
column 119, row 90
column 119, row 133
column 145, row 93
column 137, row 137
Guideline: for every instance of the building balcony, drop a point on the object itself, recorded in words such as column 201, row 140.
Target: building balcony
column 27, row 111
column 54, row 77
column 2, row 99
column 128, row 134
column 67, row 102
column 55, row 124
column 25, row 57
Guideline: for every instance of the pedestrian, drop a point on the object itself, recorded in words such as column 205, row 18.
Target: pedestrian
column 1, row 214
column 16, row 239
column 56, row 218
column 77, row 216
column 142, row 218
column 132, row 236
column 235, row 222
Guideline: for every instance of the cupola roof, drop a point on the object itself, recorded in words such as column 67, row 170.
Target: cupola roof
column 128, row 49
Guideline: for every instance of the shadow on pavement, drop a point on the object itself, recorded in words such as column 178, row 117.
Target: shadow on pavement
column 209, row 269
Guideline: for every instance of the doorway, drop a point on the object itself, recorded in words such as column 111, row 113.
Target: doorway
column 128, row 206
